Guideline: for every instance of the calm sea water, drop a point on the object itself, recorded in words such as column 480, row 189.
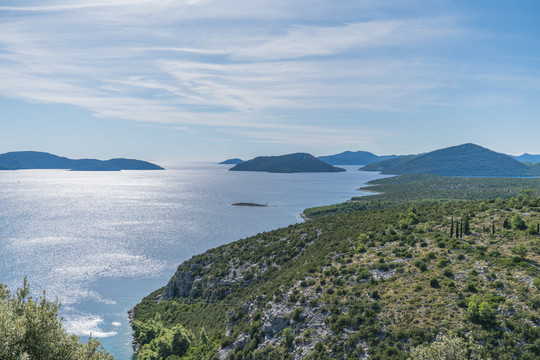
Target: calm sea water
column 101, row 241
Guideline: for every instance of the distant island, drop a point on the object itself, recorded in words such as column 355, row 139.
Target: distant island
column 232, row 161
column 290, row 163
column 19, row 160
column 355, row 158
column 528, row 158
column 249, row 204
column 461, row 160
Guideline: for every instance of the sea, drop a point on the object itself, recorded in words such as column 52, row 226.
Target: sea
column 101, row 241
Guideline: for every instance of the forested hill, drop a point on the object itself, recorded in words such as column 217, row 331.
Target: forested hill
column 382, row 282
column 461, row 160
column 40, row 160
column 291, row 163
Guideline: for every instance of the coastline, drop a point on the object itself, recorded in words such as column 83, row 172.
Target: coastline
column 131, row 318
column 305, row 217
column 131, row 314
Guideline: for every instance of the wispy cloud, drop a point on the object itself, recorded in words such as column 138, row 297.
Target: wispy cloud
column 222, row 65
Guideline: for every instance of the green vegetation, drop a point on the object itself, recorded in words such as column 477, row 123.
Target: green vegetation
column 30, row 329
column 461, row 160
column 386, row 282
column 388, row 164
column 291, row 163
column 417, row 189
column 448, row 348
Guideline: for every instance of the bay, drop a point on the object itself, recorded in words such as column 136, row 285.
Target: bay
column 101, row 241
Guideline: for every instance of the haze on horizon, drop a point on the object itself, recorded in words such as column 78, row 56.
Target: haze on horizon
column 210, row 80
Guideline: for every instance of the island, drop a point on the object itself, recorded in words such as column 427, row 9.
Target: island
column 290, row 163
column 232, row 161
column 20, row 160
column 249, row 204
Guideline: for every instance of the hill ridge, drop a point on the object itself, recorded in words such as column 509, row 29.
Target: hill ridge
column 461, row 160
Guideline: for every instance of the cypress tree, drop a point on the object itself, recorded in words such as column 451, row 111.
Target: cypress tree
column 461, row 229
column 452, row 227
column 466, row 225
column 493, row 228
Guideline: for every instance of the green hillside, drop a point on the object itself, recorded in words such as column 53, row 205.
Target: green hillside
column 461, row 160
column 415, row 189
column 291, row 163
column 388, row 164
column 534, row 170
column 379, row 282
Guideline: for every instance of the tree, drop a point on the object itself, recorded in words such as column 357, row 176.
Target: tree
column 159, row 342
column 466, row 227
column 518, row 222
column 485, row 313
column 31, row 329
column 520, row 250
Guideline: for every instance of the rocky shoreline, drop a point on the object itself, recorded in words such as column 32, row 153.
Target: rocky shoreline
column 134, row 343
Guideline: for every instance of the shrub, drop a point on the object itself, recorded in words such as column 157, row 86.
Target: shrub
column 296, row 314
column 31, row 329
column 447, row 272
column 447, row 348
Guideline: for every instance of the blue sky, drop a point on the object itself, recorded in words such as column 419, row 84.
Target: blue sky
column 208, row 79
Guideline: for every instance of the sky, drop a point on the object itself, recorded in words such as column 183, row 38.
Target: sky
column 207, row 80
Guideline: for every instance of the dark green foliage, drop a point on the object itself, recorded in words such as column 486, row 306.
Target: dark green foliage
column 466, row 226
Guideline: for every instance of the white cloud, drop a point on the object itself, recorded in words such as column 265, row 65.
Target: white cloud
column 209, row 63
column 303, row 41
